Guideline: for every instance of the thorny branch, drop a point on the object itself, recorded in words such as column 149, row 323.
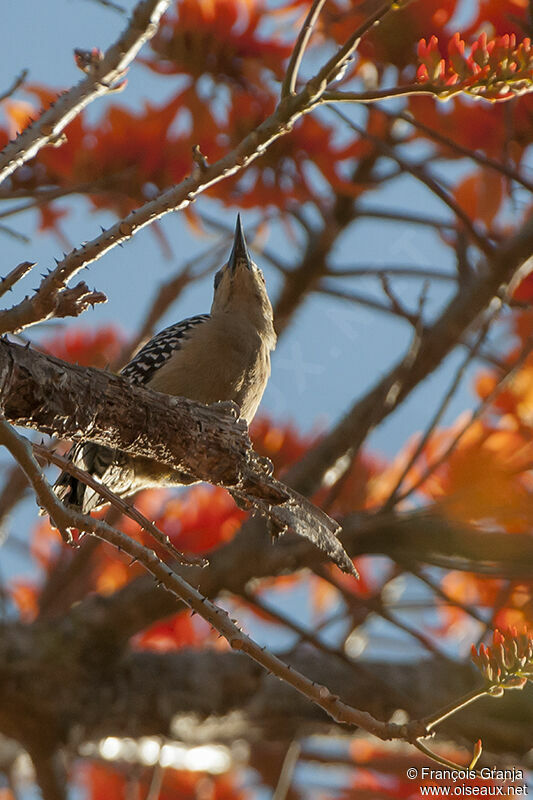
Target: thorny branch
column 100, row 80
column 42, row 305
column 66, row 518
column 73, row 402
column 121, row 505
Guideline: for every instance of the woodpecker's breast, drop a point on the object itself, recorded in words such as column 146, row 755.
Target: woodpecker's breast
column 225, row 358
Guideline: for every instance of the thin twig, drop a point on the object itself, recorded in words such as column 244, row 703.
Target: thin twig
column 125, row 508
column 376, row 270
column 403, row 216
column 67, row 519
column 365, row 300
column 431, row 721
column 302, row 634
column 291, row 76
column 444, row 596
column 474, row 155
column 287, row 771
column 156, row 782
column 445, row 762
column 376, row 606
column 334, row 66
column 375, row 95
column 274, row 259
column 99, row 81
column 17, row 83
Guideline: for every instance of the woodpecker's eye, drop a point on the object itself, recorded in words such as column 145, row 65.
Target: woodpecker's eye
column 218, row 278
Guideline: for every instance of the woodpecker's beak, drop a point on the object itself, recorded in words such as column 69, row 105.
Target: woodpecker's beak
column 239, row 252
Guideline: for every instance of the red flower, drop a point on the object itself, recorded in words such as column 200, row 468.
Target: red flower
column 217, row 37
column 494, row 70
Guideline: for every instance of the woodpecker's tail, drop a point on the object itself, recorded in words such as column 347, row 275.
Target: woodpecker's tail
column 92, row 458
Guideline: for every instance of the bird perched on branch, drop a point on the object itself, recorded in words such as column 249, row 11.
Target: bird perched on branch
column 221, row 356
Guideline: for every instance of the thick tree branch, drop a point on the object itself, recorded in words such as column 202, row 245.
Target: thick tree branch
column 99, row 81
column 71, row 402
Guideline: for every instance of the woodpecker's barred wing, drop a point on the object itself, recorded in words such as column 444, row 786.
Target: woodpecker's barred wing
column 153, row 355
column 113, row 468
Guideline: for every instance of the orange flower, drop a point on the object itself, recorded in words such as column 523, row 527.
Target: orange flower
column 200, row 519
column 219, row 38
column 495, row 69
column 392, row 41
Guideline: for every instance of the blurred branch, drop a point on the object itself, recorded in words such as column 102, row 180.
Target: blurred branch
column 429, row 537
column 287, row 771
column 441, row 409
column 421, row 174
column 404, row 216
column 13, row 490
column 17, row 83
column 110, row 4
column 436, row 343
column 376, row 270
column 376, row 606
column 474, row 155
column 266, row 252
column 100, row 80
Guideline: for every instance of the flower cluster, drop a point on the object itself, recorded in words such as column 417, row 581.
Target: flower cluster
column 495, row 69
column 508, row 662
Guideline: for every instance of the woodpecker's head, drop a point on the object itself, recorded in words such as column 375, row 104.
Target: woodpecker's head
column 240, row 285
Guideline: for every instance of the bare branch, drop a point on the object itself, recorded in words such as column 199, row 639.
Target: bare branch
column 335, row 65
column 16, row 274
column 380, row 94
column 17, row 83
column 420, row 174
column 99, row 81
column 118, row 503
column 67, row 518
column 289, row 82
column 438, row 341
column 74, row 402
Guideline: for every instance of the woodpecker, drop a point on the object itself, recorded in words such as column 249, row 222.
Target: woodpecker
column 220, row 356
